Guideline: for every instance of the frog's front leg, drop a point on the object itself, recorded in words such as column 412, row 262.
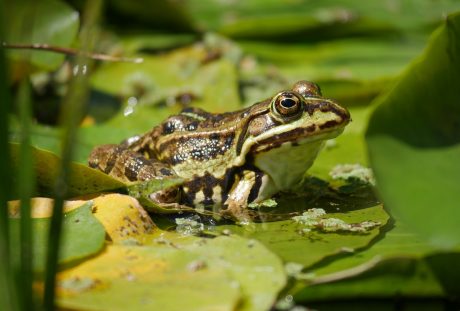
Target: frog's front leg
column 250, row 186
column 127, row 165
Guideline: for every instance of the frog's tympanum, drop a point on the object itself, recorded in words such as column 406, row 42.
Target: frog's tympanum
column 232, row 159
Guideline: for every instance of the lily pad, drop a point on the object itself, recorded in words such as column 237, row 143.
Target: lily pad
column 83, row 179
column 414, row 142
column 288, row 240
column 151, row 89
column 237, row 272
column 83, row 236
column 310, row 20
column 400, row 264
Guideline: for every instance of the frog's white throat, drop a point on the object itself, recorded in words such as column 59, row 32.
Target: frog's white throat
column 287, row 164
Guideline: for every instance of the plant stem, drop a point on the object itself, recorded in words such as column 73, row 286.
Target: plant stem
column 26, row 182
column 74, row 104
column 8, row 298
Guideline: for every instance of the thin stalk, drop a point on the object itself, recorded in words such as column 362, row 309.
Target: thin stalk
column 8, row 294
column 26, row 183
column 70, row 51
column 74, row 104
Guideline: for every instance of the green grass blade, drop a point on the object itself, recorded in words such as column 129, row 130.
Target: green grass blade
column 26, row 183
column 8, row 299
column 72, row 114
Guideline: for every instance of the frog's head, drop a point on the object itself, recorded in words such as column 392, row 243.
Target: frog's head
column 292, row 117
column 284, row 134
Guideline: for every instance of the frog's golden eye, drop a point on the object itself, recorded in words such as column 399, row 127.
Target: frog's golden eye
column 287, row 105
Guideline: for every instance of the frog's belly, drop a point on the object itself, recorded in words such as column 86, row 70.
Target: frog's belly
column 286, row 165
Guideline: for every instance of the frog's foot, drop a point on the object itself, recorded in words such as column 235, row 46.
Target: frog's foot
column 237, row 211
column 166, row 200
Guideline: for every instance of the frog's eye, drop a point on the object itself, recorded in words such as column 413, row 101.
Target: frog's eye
column 287, row 105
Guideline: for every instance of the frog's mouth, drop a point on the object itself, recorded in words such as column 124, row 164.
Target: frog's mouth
column 300, row 136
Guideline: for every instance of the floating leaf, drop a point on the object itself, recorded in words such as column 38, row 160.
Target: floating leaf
column 153, row 87
column 83, row 236
column 400, row 264
column 414, row 140
column 122, row 217
column 288, row 240
column 214, row 274
column 311, row 20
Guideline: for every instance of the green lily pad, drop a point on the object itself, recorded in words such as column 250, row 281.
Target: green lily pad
column 310, row 20
column 288, row 240
column 238, row 272
column 400, row 264
column 414, row 142
column 83, row 236
column 49, row 22
column 152, row 87
column 399, row 277
column 83, row 179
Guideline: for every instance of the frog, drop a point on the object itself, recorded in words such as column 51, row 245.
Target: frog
column 233, row 159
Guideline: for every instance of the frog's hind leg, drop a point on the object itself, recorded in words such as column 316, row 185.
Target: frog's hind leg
column 127, row 165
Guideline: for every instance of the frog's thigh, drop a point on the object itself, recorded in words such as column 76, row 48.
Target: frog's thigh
column 127, row 165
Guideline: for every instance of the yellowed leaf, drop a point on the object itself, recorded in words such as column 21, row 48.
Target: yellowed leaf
column 41, row 207
column 122, row 217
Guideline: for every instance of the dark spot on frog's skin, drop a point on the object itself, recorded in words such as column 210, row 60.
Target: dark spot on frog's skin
column 219, row 117
column 254, row 193
column 326, row 106
column 168, row 128
column 328, row 124
column 214, row 136
column 164, row 171
column 229, row 141
column 206, row 183
column 310, row 128
column 112, row 160
column 192, row 126
column 134, row 165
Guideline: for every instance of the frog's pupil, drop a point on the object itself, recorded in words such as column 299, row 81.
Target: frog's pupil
column 288, row 103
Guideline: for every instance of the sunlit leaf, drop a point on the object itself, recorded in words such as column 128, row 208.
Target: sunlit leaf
column 287, row 239
column 122, row 217
column 414, row 140
column 207, row 274
column 311, row 20
column 400, row 264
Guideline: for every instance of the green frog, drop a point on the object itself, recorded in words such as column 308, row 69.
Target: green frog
column 231, row 159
